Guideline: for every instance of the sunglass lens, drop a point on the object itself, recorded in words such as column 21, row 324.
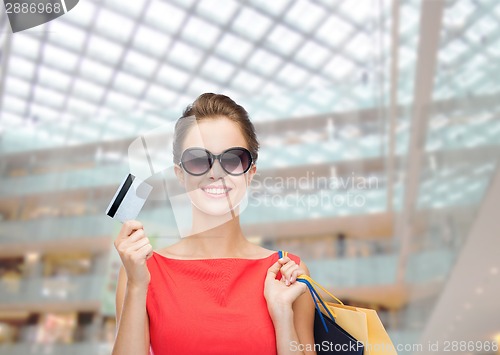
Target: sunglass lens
column 236, row 161
column 196, row 161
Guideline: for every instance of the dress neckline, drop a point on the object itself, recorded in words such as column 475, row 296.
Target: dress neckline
column 209, row 259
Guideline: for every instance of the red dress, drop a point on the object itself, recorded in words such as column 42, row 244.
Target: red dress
column 210, row 306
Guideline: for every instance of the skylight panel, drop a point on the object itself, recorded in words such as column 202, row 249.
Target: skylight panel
column 318, row 81
column 360, row 46
column 172, row 77
column 9, row 118
column 95, row 71
column 131, row 8
column 14, row 104
column 65, row 35
column 84, row 130
column 104, row 49
column 462, row 9
column 247, row 82
column 17, row 87
column 151, row 41
column 129, row 84
column 164, row 16
column 359, row 11
column 252, row 24
column 122, row 125
column 486, row 26
column 304, row 15
column 339, row 67
column 274, row 8
column 86, row 89
column 83, row 16
column 186, row 4
column 48, row 97
column 411, row 17
column 198, row 86
column 44, row 113
column 264, row 62
column 160, row 95
column 293, row 75
column 278, row 102
column 54, row 79
column 271, row 88
column 453, row 50
column 185, row 55
column 218, row 69
column 233, row 47
column 140, row 64
column 119, row 101
column 217, row 13
column 322, row 97
column 283, row 40
column 26, row 46
column 63, row 59
column 312, row 54
column 81, row 108
column 334, row 31
column 113, row 25
column 21, row 67
column 200, row 32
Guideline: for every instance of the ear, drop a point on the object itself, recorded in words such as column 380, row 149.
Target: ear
column 251, row 173
column 179, row 173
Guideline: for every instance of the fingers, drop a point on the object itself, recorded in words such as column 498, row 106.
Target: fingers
column 143, row 252
column 135, row 237
column 272, row 272
column 128, row 227
column 289, row 270
column 132, row 242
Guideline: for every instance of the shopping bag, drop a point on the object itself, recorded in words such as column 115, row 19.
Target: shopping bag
column 329, row 337
column 362, row 324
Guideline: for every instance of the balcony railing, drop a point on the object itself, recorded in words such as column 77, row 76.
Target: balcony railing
column 161, row 221
column 56, row 349
column 424, row 266
column 53, row 289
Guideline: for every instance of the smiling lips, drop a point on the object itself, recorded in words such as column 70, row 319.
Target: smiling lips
column 216, row 191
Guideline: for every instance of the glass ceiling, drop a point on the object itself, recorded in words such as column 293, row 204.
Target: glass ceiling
column 109, row 70
column 142, row 62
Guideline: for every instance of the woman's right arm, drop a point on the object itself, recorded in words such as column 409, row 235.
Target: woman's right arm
column 131, row 316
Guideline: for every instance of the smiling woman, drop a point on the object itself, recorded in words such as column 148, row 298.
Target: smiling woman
column 213, row 291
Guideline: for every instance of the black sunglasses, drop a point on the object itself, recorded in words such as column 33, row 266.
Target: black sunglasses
column 198, row 161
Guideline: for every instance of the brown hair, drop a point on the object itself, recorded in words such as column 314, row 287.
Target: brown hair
column 210, row 106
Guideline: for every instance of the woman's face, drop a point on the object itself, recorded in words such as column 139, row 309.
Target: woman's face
column 215, row 135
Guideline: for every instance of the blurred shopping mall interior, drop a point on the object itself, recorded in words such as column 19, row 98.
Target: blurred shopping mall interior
column 380, row 138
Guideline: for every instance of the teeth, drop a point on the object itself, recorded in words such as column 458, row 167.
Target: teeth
column 215, row 191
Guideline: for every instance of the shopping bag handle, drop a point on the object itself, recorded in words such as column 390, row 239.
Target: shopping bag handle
column 312, row 282
column 282, row 253
column 314, row 293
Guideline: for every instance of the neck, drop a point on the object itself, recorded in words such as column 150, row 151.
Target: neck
column 215, row 237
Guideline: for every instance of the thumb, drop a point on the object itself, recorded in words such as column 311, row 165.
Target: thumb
column 272, row 272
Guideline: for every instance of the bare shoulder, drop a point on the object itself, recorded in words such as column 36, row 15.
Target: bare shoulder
column 172, row 251
column 257, row 252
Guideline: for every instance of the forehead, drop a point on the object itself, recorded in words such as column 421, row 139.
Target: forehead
column 215, row 134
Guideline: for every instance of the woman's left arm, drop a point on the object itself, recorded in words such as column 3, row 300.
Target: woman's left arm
column 303, row 310
column 291, row 309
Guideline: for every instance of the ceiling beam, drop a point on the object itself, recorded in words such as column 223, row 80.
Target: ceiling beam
column 431, row 16
column 393, row 109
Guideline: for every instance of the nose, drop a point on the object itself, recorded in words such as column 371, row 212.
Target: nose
column 216, row 172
